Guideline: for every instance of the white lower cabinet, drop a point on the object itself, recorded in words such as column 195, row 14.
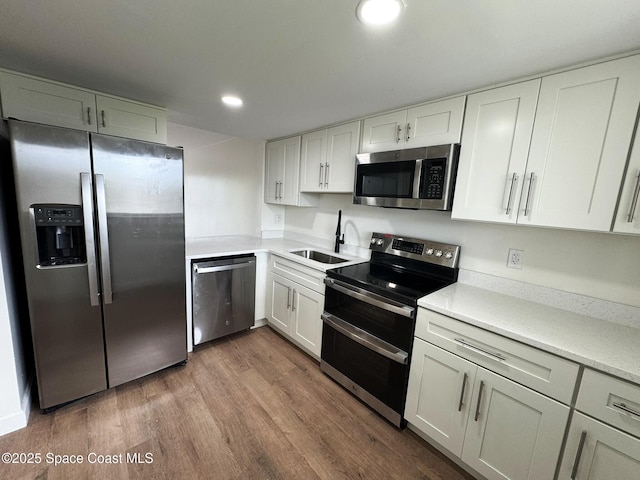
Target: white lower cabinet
column 596, row 451
column 499, row 428
column 294, row 308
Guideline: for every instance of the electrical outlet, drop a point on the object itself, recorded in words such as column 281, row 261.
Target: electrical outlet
column 277, row 219
column 515, row 259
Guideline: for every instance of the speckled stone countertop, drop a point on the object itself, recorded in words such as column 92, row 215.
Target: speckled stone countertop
column 609, row 346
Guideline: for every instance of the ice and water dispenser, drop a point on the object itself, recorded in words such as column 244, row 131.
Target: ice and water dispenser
column 60, row 235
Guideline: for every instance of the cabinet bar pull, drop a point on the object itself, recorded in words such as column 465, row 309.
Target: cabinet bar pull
column 479, row 400
column 102, row 115
column 480, row 349
column 464, row 384
column 408, row 128
column 89, row 115
column 293, row 301
column 514, row 179
column 326, row 174
column 275, row 195
column 576, row 462
column 527, row 210
column 398, row 134
column 320, row 177
column 634, row 201
column 624, row 408
column 288, row 297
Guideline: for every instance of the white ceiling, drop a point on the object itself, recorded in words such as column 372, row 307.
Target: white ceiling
column 301, row 64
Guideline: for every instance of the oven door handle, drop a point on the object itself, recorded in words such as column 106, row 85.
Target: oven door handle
column 370, row 298
column 366, row 339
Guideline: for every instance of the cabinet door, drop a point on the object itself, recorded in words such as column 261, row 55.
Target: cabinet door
column 579, row 148
column 439, row 394
column 513, row 432
column 435, row 123
column 628, row 215
column 493, row 154
column 280, row 304
column 273, row 171
column 342, row 146
column 291, row 171
column 313, row 158
column 306, row 308
column 606, row 453
column 36, row 101
column 131, row 120
column 384, row 132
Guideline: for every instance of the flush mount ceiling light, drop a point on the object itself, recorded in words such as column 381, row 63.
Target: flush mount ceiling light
column 232, row 101
column 379, row 12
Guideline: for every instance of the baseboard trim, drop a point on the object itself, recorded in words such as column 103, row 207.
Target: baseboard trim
column 16, row 421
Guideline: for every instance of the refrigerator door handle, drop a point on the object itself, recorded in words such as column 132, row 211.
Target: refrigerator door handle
column 101, row 204
column 90, row 237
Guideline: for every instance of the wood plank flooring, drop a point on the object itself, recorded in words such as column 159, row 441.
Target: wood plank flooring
column 250, row 406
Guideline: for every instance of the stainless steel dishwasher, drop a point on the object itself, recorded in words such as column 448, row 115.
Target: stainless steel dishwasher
column 223, row 296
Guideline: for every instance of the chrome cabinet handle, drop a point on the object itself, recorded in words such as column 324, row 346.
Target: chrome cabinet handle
column 102, row 115
column 479, row 400
column 326, row 174
column 320, row 177
column 293, row 301
column 398, row 138
column 464, row 384
column 275, row 195
column 624, row 408
column 105, row 256
column 89, row 115
column 576, row 462
column 288, row 297
column 480, row 349
column 408, row 136
column 527, row 210
column 90, row 237
column 514, row 179
column 634, row 200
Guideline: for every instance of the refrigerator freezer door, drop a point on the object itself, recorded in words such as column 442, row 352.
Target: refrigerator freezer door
column 142, row 250
column 66, row 328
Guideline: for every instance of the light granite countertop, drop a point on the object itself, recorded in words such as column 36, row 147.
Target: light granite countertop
column 607, row 346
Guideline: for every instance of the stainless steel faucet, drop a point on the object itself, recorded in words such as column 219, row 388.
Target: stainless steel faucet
column 339, row 238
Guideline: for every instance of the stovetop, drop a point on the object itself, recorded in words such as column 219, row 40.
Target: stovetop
column 403, row 269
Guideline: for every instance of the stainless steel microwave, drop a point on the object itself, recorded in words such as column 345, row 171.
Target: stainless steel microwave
column 418, row 178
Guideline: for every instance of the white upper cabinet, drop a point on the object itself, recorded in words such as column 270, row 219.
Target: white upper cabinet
column 581, row 139
column 577, row 153
column 495, row 144
column 628, row 215
column 430, row 124
column 35, row 100
column 282, row 171
column 327, row 161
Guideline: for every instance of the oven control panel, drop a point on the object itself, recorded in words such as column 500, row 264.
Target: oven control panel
column 424, row 250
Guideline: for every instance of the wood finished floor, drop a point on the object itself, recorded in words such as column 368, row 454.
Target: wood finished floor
column 250, row 406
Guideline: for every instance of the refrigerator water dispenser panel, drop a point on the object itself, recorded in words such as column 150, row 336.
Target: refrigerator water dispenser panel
column 59, row 235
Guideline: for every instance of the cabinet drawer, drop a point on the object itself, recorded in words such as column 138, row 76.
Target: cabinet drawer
column 611, row 400
column 305, row 276
column 541, row 371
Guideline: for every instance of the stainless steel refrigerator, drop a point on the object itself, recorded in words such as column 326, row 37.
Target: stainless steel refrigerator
column 102, row 229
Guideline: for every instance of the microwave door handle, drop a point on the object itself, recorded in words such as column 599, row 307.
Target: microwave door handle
column 90, row 237
column 417, row 177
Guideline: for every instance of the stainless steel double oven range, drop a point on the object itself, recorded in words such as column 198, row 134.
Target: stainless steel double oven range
column 370, row 314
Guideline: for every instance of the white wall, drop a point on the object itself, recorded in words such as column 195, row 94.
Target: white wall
column 222, row 181
column 600, row 265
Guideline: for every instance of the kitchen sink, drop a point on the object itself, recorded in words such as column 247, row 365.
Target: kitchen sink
column 318, row 256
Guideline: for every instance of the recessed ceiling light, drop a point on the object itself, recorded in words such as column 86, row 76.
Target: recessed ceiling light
column 232, row 101
column 379, row 12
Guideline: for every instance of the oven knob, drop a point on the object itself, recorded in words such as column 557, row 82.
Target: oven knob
column 373, row 241
column 429, row 251
column 380, row 241
column 438, row 253
column 448, row 255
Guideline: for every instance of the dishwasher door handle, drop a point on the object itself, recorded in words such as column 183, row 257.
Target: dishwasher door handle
column 221, row 268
